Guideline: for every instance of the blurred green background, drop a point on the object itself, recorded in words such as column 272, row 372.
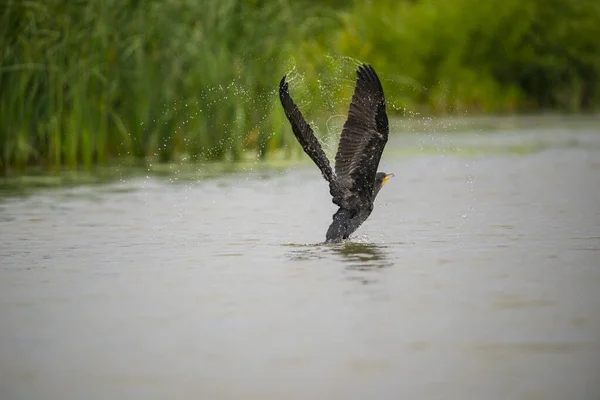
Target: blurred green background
column 90, row 82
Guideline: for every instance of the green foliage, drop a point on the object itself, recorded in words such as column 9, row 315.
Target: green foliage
column 86, row 81
column 496, row 55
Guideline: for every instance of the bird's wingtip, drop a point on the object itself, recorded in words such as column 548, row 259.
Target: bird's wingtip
column 283, row 87
column 365, row 69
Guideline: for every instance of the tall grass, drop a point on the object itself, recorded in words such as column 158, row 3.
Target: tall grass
column 488, row 56
column 83, row 82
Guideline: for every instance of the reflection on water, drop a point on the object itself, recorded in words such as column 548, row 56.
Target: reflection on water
column 363, row 256
column 306, row 252
column 353, row 255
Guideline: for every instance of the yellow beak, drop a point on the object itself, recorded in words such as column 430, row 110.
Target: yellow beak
column 386, row 178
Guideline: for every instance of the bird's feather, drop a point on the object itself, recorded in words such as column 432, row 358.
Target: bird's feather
column 364, row 136
column 304, row 132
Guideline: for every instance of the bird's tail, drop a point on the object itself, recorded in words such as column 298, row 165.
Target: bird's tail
column 340, row 227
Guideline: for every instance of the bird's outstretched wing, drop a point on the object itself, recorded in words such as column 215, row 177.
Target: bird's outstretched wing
column 363, row 139
column 304, row 132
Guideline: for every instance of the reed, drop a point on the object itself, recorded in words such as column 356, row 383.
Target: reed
column 91, row 81
column 88, row 81
column 457, row 56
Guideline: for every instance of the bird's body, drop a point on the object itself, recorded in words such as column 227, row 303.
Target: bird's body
column 355, row 182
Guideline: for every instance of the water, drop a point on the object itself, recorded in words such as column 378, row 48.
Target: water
column 476, row 276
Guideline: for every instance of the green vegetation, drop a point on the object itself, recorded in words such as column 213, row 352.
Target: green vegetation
column 488, row 56
column 85, row 81
column 90, row 81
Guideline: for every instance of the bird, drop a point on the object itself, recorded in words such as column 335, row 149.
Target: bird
column 354, row 182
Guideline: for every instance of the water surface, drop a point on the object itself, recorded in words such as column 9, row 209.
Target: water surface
column 476, row 276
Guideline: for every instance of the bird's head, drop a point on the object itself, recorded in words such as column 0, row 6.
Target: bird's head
column 381, row 179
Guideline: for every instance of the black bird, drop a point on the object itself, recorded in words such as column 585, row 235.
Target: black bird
column 355, row 182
